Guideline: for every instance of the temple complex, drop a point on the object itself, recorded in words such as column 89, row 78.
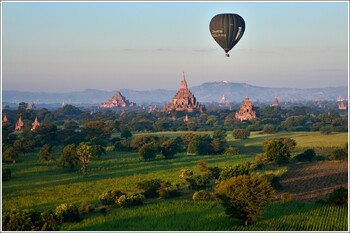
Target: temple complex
column 35, row 124
column 184, row 100
column 275, row 102
column 245, row 112
column 118, row 100
column 4, row 119
column 223, row 101
column 19, row 124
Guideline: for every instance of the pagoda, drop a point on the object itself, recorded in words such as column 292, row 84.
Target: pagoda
column 183, row 100
column 245, row 112
column 31, row 105
column 35, row 124
column 341, row 106
column 223, row 101
column 4, row 119
column 186, row 118
column 118, row 100
column 19, row 124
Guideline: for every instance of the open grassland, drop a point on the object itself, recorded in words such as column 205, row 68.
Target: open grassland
column 35, row 185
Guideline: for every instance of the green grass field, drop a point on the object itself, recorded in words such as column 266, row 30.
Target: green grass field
column 38, row 186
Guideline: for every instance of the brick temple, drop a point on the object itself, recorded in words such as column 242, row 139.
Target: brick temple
column 245, row 112
column 118, row 100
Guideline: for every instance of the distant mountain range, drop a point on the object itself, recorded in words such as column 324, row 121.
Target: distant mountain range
column 207, row 92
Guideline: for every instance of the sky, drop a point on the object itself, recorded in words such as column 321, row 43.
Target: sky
column 73, row 46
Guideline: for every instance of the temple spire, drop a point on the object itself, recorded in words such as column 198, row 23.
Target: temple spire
column 183, row 82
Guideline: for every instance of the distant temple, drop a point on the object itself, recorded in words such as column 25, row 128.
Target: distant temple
column 275, row 102
column 31, row 105
column 184, row 100
column 186, row 118
column 118, row 100
column 245, row 112
column 19, row 124
column 4, row 119
column 223, row 101
column 341, row 106
column 35, row 124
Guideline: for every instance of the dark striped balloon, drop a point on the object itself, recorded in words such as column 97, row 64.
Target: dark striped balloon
column 227, row 30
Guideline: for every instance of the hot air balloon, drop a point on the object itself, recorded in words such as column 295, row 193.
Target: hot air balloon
column 227, row 30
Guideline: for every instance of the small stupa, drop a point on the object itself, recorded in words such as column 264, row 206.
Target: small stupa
column 223, row 101
column 35, row 124
column 275, row 102
column 19, row 124
column 186, row 118
column 4, row 119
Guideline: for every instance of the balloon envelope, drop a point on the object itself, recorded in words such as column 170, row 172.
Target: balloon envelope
column 227, row 30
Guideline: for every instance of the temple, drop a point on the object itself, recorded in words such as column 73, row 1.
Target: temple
column 341, row 106
column 31, row 105
column 35, row 124
column 118, row 100
column 4, row 119
column 184, row 100
column 19, row 124
column 245, row 112
column 275, row 102
column 223, row 101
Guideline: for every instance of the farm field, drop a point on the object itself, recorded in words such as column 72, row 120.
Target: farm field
column 35, row 185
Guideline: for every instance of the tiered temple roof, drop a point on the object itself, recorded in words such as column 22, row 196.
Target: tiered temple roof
column 245, row 112
column 118, row 100
column 183, row 100
column 275, row 102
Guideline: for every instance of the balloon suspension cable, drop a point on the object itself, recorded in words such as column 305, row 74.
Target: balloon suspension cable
column 227, row 55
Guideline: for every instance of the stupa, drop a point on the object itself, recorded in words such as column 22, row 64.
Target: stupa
column 245, row 112
column 223, row 101
column 35, row 124
column 275, row 102
column 183, row 100
column 19, row 124
column 118, row 100
column 4, row 119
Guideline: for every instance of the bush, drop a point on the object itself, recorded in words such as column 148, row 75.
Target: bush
column 168, row 191
column 240, row 133
column 133, row 200
column 85, row 208
column 6, row 174
column 185, row 173
column 109, row 197
column 277, row 151
column 150, row 187
column 326, row 130
column 67, row 213
column 269, row 129
column 260, row 161
column 232, row 171
column 245, row 196
column 198, row 182
column 274, row 181
column 25, row 220
column 200, row 195
column 339, row 154
column 339, row 196
column 308, row 155
column 231, row 151
column 287, row 197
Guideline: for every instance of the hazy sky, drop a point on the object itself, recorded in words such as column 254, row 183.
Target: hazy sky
column 62, row 46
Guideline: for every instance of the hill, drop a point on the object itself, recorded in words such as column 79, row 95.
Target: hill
column 206, row 92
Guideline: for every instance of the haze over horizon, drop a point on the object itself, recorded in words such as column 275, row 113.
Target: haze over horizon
column 73, row 46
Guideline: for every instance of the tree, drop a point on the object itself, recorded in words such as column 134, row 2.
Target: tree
column 269, row 129
column 232, row 171
column 84, row 154
column 240, row 133
column 245, row 196
column 97, row 151
column 69, row 158
column 277, row 151
column 10, row 155
column 46, row 153
column 126, row 133
column 148, row 151
column 169, row 148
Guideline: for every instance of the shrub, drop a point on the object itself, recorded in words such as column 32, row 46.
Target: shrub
column 200, row 195
column 109, row 197
column 287, row 197
column 339, row 196
column 308, row 155
column 6, row 174
column 232, row 171
column 85, row 208
column 339, row 154
column 277, row 151
column 185, row 173
column 274, row 181
column 133, row 200
column 269, row 129
column 198, row 182
column 240, row 133
column 150, row 187
column 245, row 196
column 260, row 161
column 67, row 213
column 168, row 191
column 25, row 220
column 231, row 151
column 326, row 130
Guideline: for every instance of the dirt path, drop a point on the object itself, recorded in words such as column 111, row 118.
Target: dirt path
column 312, row 181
